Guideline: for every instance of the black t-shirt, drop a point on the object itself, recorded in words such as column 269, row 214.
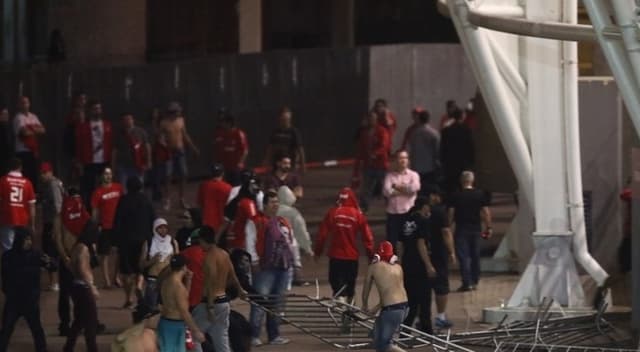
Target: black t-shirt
column 415, row 226
column 285, row 141
column 437, row 221
column 467, row 204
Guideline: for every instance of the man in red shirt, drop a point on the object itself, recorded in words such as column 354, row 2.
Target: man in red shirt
column 212, row 197
column 340, row 227
column 94, row 147
column 195, row 255
column 373, row 153
column 17, row 203
column 237, row 213
column 230, row 147
column 73, row 217
column 104, row 202
column 386, row 118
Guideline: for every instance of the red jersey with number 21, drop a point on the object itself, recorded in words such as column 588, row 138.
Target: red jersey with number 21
column 16, row 192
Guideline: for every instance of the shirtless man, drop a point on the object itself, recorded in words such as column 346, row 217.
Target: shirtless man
column 388, row 278
column 212, row 315
column 139, row 337
column 84, row 292
column 174, row 136
column 175, row 316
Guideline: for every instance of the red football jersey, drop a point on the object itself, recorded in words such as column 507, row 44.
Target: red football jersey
column 105, row 199
column 16, row 193
column 246, row 210
column 74, row 215
column 195, row 261
column 212, row 198
column 229, row 146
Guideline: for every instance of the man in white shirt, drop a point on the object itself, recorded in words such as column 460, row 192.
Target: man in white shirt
column 27, row 128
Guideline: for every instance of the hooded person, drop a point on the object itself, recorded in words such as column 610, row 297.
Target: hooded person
column 299, row 225
column 340, row 227
column 154, row 258
column 231, row 235
column 387, row 278
column 21, row 286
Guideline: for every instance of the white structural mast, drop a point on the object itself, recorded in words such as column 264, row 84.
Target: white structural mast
column 530, row 87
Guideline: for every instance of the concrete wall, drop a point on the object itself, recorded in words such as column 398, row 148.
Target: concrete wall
column 426, row 75
column 99, row 32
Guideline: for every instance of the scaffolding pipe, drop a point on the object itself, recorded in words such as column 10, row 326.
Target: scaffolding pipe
column 494, row 92
column 618, row 62
column 624, row 13
column 572, row 148
column 509, row 73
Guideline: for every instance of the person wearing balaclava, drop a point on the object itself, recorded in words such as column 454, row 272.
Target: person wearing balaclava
column 21, row 286
column 231, row 234
column 133, row 225
column 387, row 275
column 340, row 228
column 419, row 271
column 155, row 256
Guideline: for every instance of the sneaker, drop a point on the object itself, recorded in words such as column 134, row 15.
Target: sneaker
column 279, row 341
column 464, row 289
column 101, row 329
column 443, row 323
column 255, row 342
column 54, row 287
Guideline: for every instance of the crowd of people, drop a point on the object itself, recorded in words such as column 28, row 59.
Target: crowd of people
column 105, row 219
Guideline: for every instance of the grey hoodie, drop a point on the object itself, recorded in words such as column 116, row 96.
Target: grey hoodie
column 287, row 211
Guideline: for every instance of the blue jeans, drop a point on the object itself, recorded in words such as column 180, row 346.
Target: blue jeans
column 394, row 227
column 7, row 233
column 466, row 241
column 171, row 335
column 371, row 179
column 273, row 283
column 387, row 323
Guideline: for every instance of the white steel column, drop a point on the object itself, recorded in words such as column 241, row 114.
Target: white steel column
column 495, row 92
column 574, row 165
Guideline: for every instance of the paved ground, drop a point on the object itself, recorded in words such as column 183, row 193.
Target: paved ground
column 320, row 190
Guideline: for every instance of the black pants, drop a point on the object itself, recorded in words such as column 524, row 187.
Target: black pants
column 48, row 244
column 29, row 167
column 343, row 272
column 14, row 308
column 394, row 227
column 418, row 288
column 65, row 279
column 89, row 181
column 85, row 313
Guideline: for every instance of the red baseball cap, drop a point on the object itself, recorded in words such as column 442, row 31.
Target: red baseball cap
column 46, row 167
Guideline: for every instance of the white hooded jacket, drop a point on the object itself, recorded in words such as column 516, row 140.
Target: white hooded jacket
column 286, row 210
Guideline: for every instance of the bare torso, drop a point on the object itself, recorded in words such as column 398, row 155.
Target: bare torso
column 389, row 281
column 217, row 273
column 170, row 289
column 136, row 339
column 172, row 129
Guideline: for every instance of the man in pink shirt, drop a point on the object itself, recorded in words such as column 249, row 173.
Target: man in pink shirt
column 400, row 187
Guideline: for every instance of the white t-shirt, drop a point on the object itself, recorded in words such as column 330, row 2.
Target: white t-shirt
column 97, row 141
column 21, row 120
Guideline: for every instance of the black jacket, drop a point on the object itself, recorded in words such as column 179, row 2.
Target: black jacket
column 21, row 274
column 6, row 146
column 134, row 218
